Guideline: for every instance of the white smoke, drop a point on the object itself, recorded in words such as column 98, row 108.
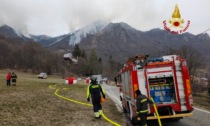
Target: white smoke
column 83, row 32
column 56, row 17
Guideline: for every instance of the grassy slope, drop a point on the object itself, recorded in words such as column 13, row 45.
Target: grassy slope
column 32, row 102
column 202, row 101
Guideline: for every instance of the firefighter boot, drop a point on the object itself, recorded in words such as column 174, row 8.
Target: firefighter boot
column 97, row 115
column 100, row 113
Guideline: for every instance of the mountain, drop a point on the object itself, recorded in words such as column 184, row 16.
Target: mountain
column 120, row 41
column 70, row 38
column 80, row 34
column 8, row 32
column 203, row 36
column 48, row 41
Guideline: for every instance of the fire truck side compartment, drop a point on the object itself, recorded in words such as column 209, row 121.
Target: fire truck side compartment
column 162, row 90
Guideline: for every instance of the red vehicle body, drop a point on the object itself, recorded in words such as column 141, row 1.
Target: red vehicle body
column 165, row 79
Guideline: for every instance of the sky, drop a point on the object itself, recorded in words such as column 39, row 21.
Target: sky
column 57, row 17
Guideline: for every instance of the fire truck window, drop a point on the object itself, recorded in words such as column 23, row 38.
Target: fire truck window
column 126, row 81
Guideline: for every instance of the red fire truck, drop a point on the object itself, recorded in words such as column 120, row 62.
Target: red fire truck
column 165, row 79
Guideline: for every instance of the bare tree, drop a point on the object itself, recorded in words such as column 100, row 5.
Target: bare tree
column 16, row 54
column 194, row 61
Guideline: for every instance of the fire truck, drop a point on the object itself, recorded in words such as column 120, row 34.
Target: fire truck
column 165, row 79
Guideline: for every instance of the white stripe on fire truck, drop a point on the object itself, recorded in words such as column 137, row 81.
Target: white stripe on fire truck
column 159, row 72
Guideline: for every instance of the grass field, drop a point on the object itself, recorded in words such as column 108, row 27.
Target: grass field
column 33, row 103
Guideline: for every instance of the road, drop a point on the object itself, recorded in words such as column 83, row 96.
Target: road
column 200, row 117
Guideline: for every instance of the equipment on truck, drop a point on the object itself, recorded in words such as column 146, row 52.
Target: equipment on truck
column 165, row 79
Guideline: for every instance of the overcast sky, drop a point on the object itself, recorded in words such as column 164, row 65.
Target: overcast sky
column 56, row 17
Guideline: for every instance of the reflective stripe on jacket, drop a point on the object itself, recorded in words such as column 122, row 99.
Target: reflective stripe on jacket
column 95, row 90
column 142, row 104
column 14, row 75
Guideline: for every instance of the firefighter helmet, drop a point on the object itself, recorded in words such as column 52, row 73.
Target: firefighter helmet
column 93, row 80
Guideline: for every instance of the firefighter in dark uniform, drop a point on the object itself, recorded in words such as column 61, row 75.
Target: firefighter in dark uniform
column 142, row 107
column 14, row 77
column 95, row 90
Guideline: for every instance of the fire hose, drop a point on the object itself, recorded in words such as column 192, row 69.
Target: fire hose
column 156, row 112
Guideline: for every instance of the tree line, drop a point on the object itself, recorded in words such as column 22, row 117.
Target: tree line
column 93, row 64
column 195, row 62
column 31, row 56
column 28, row 56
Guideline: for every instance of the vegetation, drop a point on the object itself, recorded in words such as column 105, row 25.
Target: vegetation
column 32, row 102
column 86, row 67
column 31, row 56
column 202, row 101
column 93, row 64
column 28, row 56
column 208, row 86
column 195, row 63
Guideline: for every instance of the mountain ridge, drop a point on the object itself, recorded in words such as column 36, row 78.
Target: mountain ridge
column 121, row 41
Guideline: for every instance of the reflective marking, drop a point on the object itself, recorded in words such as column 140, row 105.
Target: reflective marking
column 143, row 100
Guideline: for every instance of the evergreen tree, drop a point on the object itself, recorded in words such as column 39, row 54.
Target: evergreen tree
column 76, row 52
column 93, row 62
column 83, row 54
column 93, row 56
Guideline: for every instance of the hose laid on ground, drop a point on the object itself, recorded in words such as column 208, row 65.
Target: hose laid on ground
column 156, row 112
column 82, row 103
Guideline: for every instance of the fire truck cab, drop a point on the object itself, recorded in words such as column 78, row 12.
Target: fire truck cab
column 165, row 79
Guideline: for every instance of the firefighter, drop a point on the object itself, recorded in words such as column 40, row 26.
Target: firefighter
column 95, row 90
column 142, row 107
column 14, row 77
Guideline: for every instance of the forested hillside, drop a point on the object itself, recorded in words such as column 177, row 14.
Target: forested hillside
column 32, row 57
column 28, row 56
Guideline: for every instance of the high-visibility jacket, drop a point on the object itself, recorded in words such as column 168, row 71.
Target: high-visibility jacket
column 95, row 90
column 142, row 104
column 14, row 76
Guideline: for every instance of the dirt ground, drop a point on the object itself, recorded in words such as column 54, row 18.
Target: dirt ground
column 32, row 103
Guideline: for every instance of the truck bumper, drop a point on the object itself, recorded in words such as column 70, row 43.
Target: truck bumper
column 170, row 116
column 137, row 121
